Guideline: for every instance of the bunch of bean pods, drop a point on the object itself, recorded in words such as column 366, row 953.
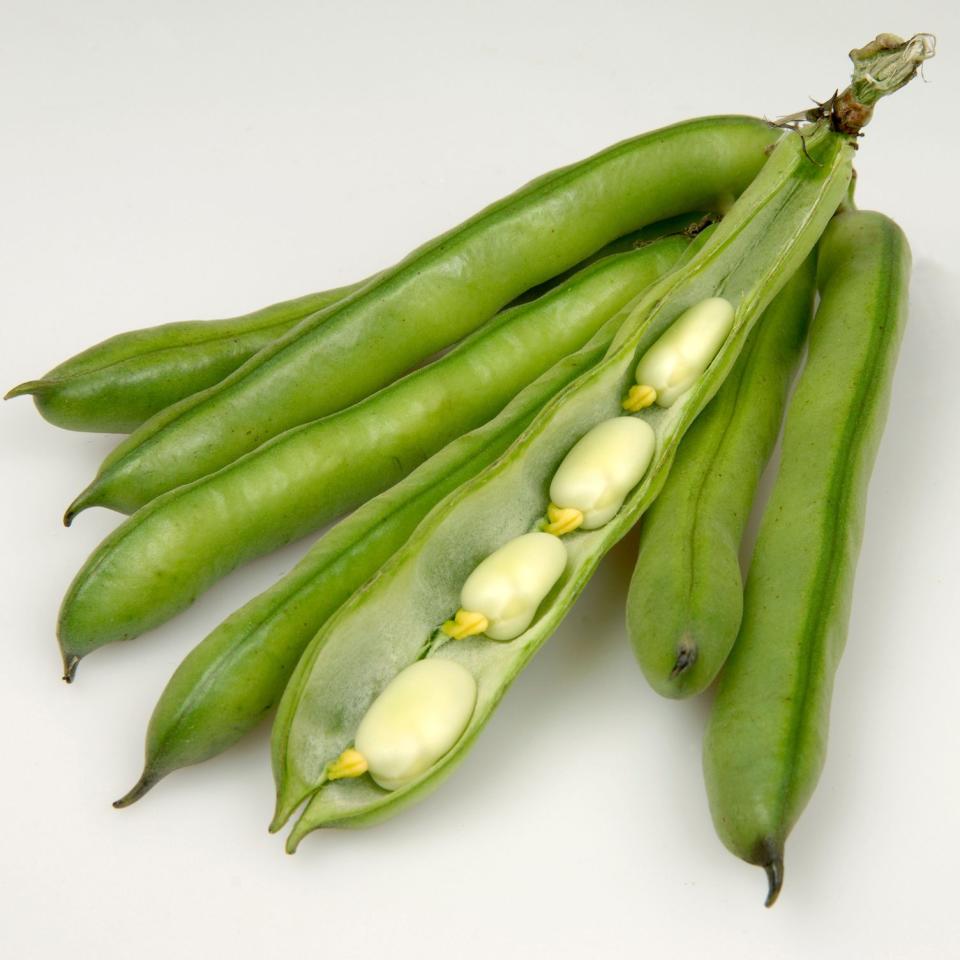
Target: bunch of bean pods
column 616, row 338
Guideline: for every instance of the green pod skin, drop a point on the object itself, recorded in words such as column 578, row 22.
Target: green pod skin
column 767, row 734
column 236, row 674
column 686, row 594
column 689, row 225
column 389, row 624
column 438, row 294
column 232, row 678
column 114, row 386
column 159, row 560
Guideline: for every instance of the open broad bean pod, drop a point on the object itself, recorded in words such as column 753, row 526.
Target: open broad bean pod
column 398, row 618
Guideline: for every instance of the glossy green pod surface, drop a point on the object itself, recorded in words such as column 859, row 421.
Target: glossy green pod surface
column 686, row 594
column 391, row 622
column 160, row 559
column 237, row 673
column 767, row 735
column 440, row 293
column 114, row 386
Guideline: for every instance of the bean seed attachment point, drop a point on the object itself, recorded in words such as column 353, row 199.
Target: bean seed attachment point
column 562, row 520
column 639, row 397
column 465, row 623
column 350, row 764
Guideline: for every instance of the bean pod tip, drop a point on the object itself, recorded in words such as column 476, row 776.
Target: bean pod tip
column 83, row 500
column 297, row 834
column 774, row 870
column 142, row 786
column 30, row 388
column 282, row 812
column 70, row 663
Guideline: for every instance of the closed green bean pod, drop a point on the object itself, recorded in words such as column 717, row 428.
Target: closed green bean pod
column 395, row 619
column 440, row 293
column 686, row 595
column 767, row 735
column 232, row 678
column 160, row 559
column 114, row 386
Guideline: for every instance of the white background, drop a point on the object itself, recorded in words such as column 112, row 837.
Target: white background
column 196, row 159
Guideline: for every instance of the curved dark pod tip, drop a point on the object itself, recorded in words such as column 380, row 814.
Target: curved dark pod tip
column 142, row 786
column 773, row 866
column 78, row 506
column 70, row 662
column 27, row 388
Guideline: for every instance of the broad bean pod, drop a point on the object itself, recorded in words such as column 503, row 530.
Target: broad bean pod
column 767, row 735
column 114, row 386
column 235, row 675
column 440, row 293
column 160, row 559
column 686, row 594
column 393, row 621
